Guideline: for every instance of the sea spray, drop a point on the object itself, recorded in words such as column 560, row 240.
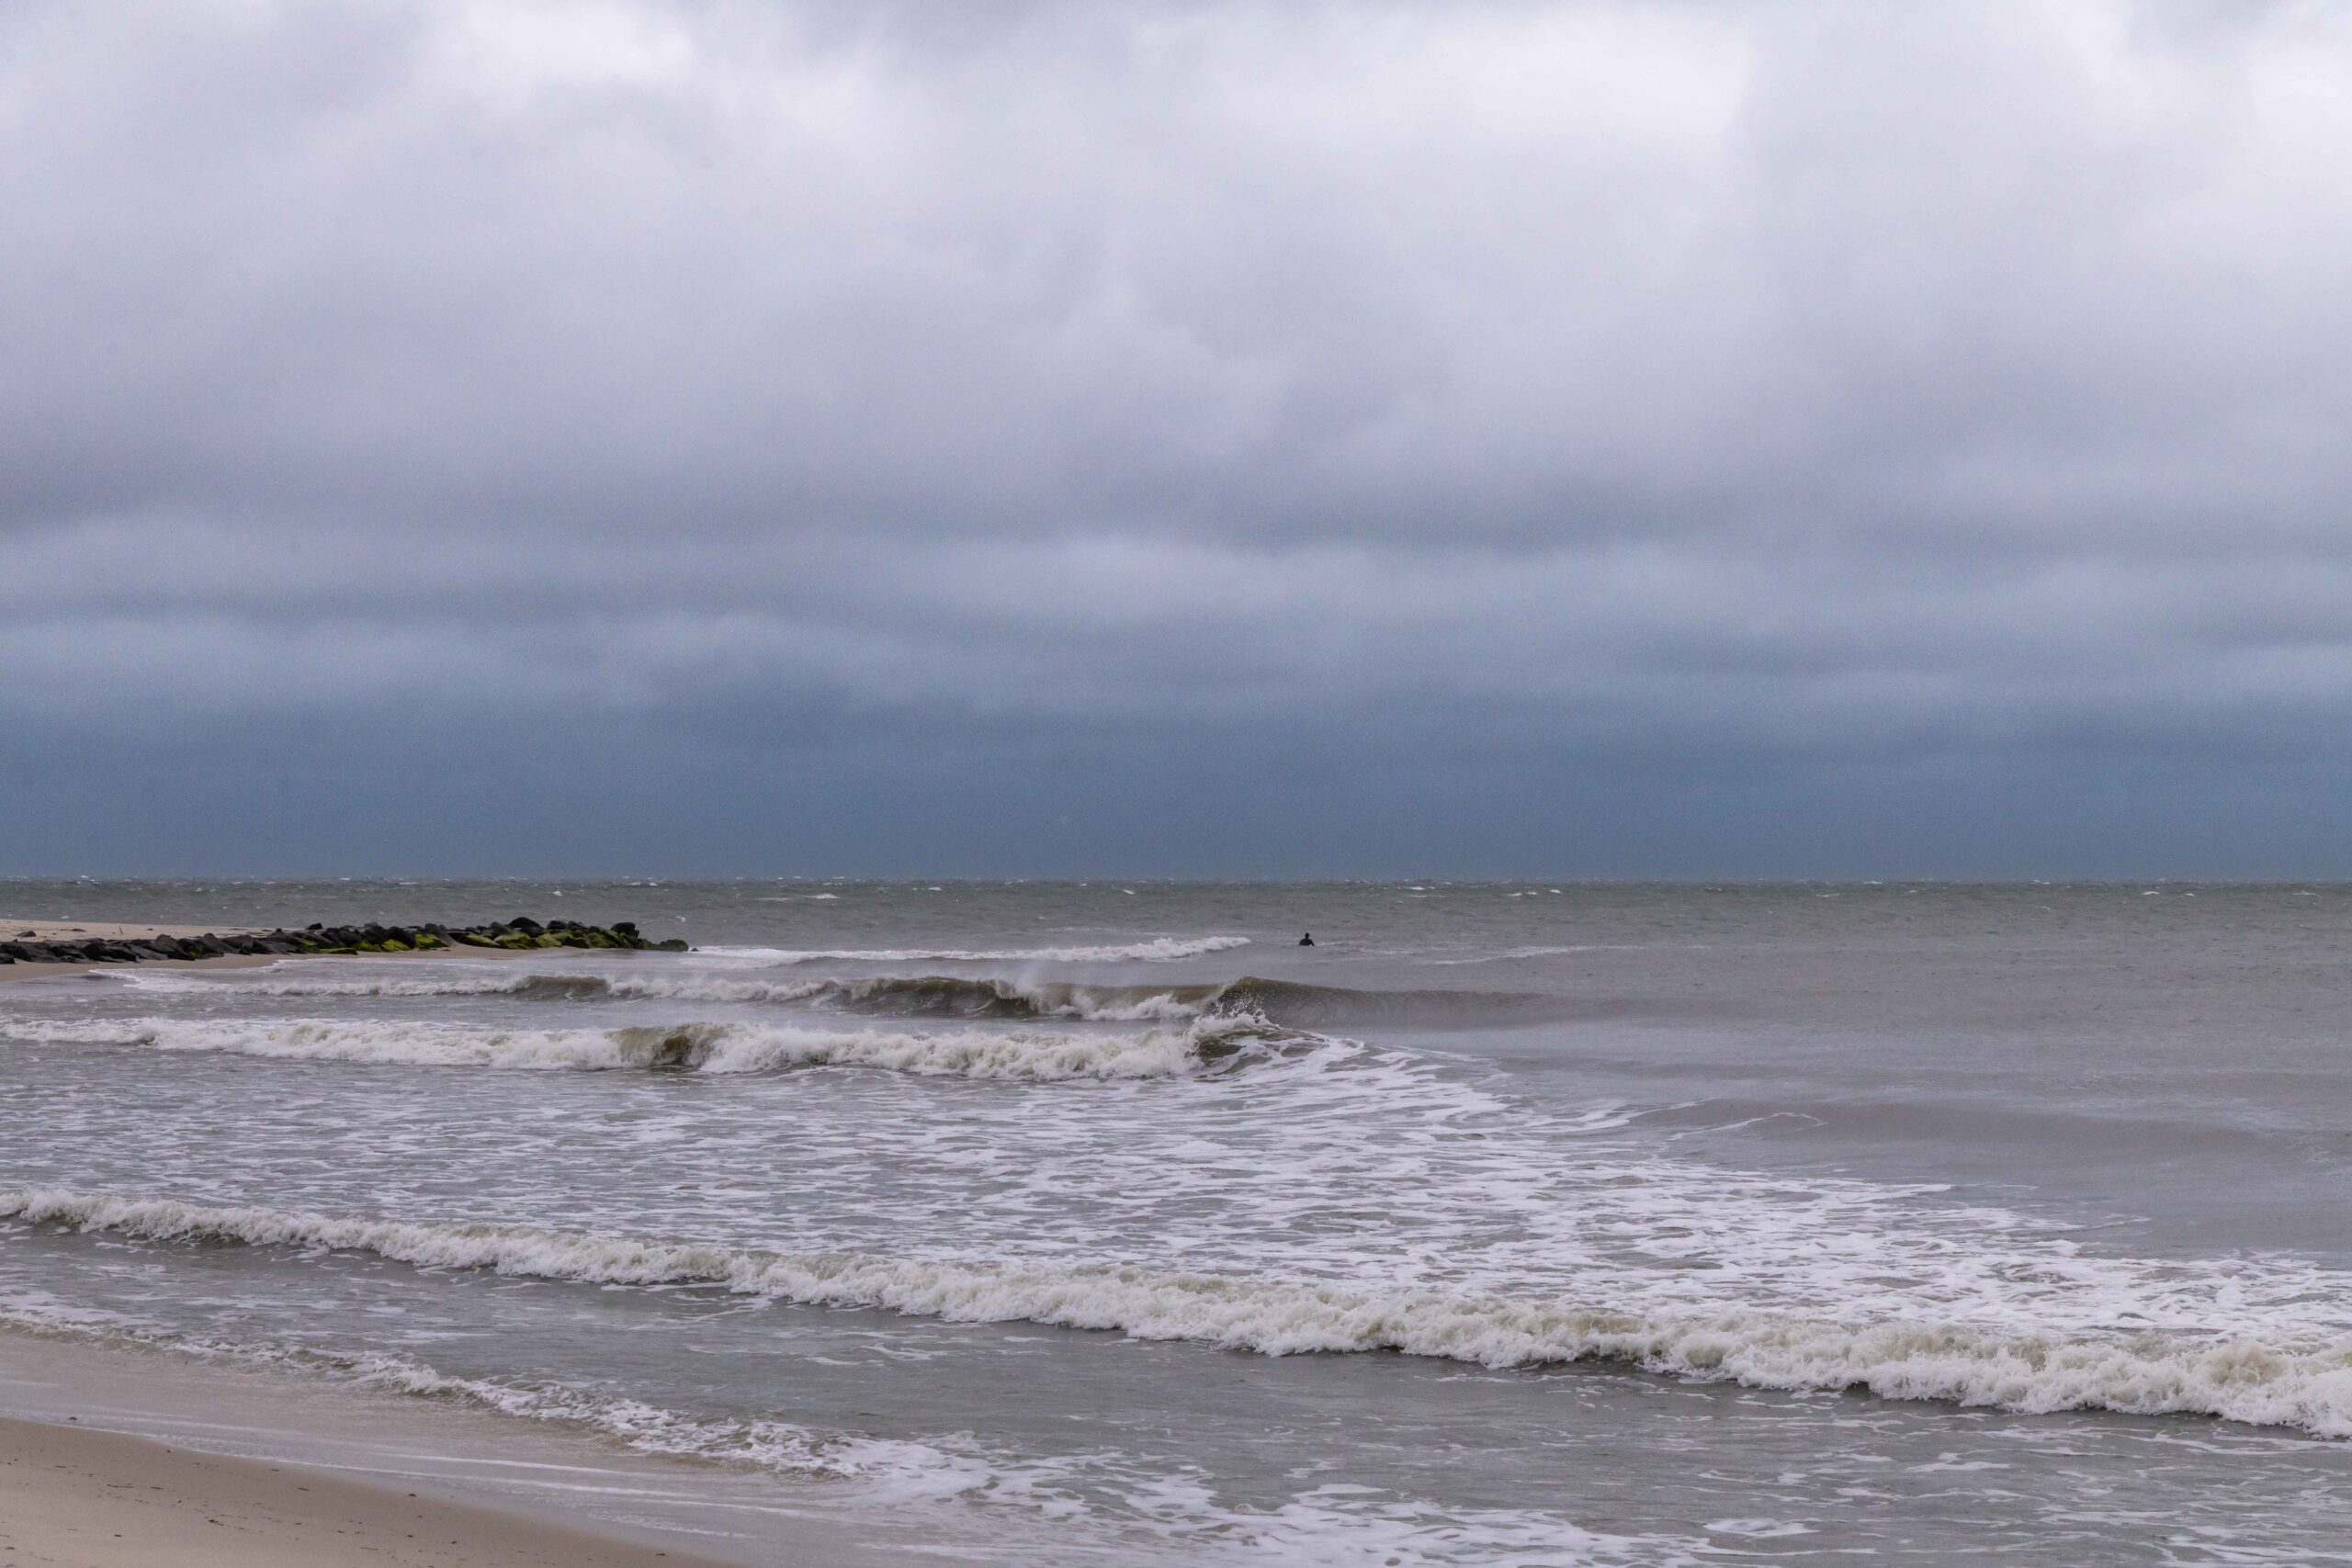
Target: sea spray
column 702, row 1047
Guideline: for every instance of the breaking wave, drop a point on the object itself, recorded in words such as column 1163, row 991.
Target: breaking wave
column 2303, row 1384
column 698, row 1047
column 922, row 995
column 1159, row 950
column 1287, row 1003
column 938, row 996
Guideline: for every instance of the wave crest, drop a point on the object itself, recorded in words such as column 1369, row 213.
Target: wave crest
column 703, row 1047
column 1157, row 950
column 1291, row 1002
column 2304, row 1385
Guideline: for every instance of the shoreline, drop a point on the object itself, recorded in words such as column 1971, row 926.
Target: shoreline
column 81, row 1496
column 126, row 1456
column 112, row 931
column 118, row 1454
column 56, row 971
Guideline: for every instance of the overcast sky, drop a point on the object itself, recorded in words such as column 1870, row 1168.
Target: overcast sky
column 1190, row 438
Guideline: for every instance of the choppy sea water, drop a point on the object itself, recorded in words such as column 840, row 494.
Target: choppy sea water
column 1513, row 1223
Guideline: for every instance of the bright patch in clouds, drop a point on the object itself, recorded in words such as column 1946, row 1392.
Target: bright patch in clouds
column 1041, row 436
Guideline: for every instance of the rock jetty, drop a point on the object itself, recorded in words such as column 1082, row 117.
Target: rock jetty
column 520, row 933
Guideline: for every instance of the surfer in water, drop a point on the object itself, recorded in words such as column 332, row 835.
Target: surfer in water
column 1306, row 940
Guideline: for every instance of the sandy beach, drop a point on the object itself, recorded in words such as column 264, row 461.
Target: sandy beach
column 118, row 1456
column 110, row 930
column 78, row 1498
column 107, row 930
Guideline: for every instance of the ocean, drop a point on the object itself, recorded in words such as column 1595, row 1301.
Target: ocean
column 1086, row 1222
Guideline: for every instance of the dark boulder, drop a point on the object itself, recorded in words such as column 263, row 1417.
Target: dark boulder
column 521, row 934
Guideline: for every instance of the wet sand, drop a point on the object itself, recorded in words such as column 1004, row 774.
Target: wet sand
column 121, row 1456
column 80, row 1498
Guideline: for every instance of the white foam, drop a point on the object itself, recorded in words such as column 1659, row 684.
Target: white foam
column 1159, row 950
column 903, row 1468
column 1510, row 953
column 1334, row 1524
column 700, row 1047
column 2306, row 1384
column 1042, row 1000
column 330, row 977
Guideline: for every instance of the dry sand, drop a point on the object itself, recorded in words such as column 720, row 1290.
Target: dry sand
column 88, row 1499
column 104, row 930
column 110, row 931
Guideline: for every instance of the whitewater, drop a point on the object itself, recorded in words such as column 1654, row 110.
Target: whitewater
column 1110, row 1224
column 704, row 1047
column 2143, row 1373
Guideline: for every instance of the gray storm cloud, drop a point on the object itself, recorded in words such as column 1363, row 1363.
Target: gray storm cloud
column 1621, row 438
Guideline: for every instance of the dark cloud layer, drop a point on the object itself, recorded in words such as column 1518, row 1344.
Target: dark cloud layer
column 1037, row 437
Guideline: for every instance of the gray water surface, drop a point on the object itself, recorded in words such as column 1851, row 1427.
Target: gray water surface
column 1911, row 1223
